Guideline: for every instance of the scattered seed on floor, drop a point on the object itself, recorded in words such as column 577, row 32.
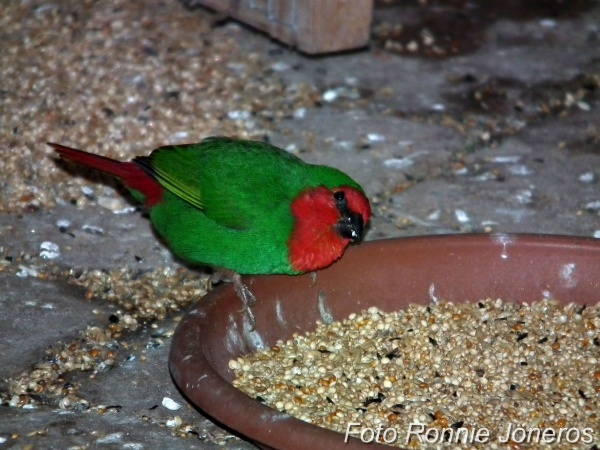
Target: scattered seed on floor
column 121, row 90
column 142, row 298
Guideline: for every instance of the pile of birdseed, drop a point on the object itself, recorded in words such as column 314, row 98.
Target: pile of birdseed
column 446, row 366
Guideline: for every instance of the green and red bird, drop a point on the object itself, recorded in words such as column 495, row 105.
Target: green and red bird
column 244, row 206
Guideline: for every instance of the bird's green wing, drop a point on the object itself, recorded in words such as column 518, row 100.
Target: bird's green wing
column 173, row 168
column 233, row 182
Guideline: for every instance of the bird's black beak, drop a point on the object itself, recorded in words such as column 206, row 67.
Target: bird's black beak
column 350, row 226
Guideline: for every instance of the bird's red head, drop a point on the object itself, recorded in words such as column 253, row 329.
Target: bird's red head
column 326, row 221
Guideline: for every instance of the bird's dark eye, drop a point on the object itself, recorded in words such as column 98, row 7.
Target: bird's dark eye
column 339, row 196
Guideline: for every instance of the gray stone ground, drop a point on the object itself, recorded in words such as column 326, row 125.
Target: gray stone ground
column 504, row 138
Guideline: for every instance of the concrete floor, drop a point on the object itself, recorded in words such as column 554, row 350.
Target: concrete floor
column 503, row 136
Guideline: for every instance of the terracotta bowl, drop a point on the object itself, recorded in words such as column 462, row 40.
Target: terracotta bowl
column 388, row 274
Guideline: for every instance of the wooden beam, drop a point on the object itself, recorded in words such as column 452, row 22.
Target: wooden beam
column 313, row 26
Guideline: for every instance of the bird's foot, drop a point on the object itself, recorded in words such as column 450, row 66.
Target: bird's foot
column 246, row 296
column 313, row 279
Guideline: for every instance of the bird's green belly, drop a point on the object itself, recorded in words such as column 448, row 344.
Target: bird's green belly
column 197, row 239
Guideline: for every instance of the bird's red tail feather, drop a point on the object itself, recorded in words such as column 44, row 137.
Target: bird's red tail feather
column 132, row 175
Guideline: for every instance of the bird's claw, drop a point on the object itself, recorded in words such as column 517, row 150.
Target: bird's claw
column 250, row 316
column 313, row 279
column 245, row 295
column 248, row 299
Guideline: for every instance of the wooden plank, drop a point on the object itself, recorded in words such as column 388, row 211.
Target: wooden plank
column 334, row 25
column 314, row 26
